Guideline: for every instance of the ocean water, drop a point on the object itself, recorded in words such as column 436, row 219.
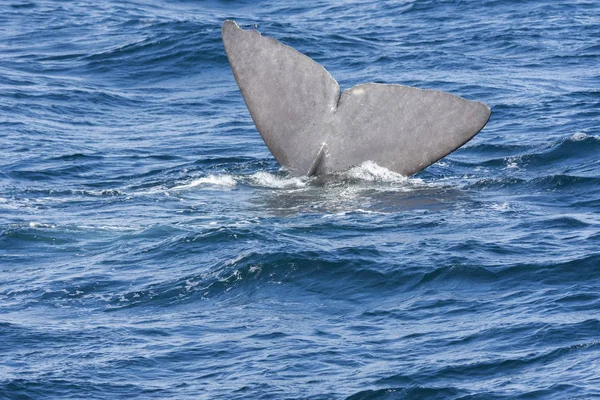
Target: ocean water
column 151, row 247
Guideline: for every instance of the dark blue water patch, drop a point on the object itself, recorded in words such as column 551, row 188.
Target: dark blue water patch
column 461, row 273
column 21, row 237
column 407, row 393
column 23, row 388
column 255, row 273
column 180, row 49
column 569, row 153
column 558, row 223
column 578, row 301
column 581, row 269
column 569, row 185
column 498, row 367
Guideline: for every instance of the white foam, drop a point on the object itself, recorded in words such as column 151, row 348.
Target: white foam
column 500, row 206
column 345, row 213
column 40, row 225
column 578, row 136
column 102, row 192
column 212, row 180
column 116, row 228
column 371, row 172
column 273, row 181
column 236, row 259
column 512, row 162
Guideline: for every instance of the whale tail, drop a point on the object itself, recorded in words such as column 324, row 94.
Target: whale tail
column 311, row 129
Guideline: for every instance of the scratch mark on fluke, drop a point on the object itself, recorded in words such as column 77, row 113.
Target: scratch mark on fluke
column 297, row 107
column 318, row 166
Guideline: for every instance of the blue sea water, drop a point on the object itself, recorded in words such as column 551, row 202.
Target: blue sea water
column 151, row 247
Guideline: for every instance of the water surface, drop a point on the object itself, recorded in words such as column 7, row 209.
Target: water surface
column 151, row 247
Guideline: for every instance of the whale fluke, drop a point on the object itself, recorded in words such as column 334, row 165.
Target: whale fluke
column 311, row 129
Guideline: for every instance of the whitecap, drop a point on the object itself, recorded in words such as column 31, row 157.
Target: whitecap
column 40, row 225
column 212, row 180
column 579, row 136
column 500, row 206
column 269, row 180
column 512, row 162
column 371, row 172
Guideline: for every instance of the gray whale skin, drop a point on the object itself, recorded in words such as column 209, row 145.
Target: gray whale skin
column 312, row 129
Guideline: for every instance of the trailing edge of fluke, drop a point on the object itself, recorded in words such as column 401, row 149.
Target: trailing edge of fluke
column 312, row 129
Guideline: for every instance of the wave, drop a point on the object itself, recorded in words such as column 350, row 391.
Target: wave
column 575, row 270
column 367, row 172
column 549, row 182
column 341, row 274
column 336, row 274
column 210, row 180
column 574, row 148
column 415, row 392
column 370, row 171
column 175, row 48
column 273, row 181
